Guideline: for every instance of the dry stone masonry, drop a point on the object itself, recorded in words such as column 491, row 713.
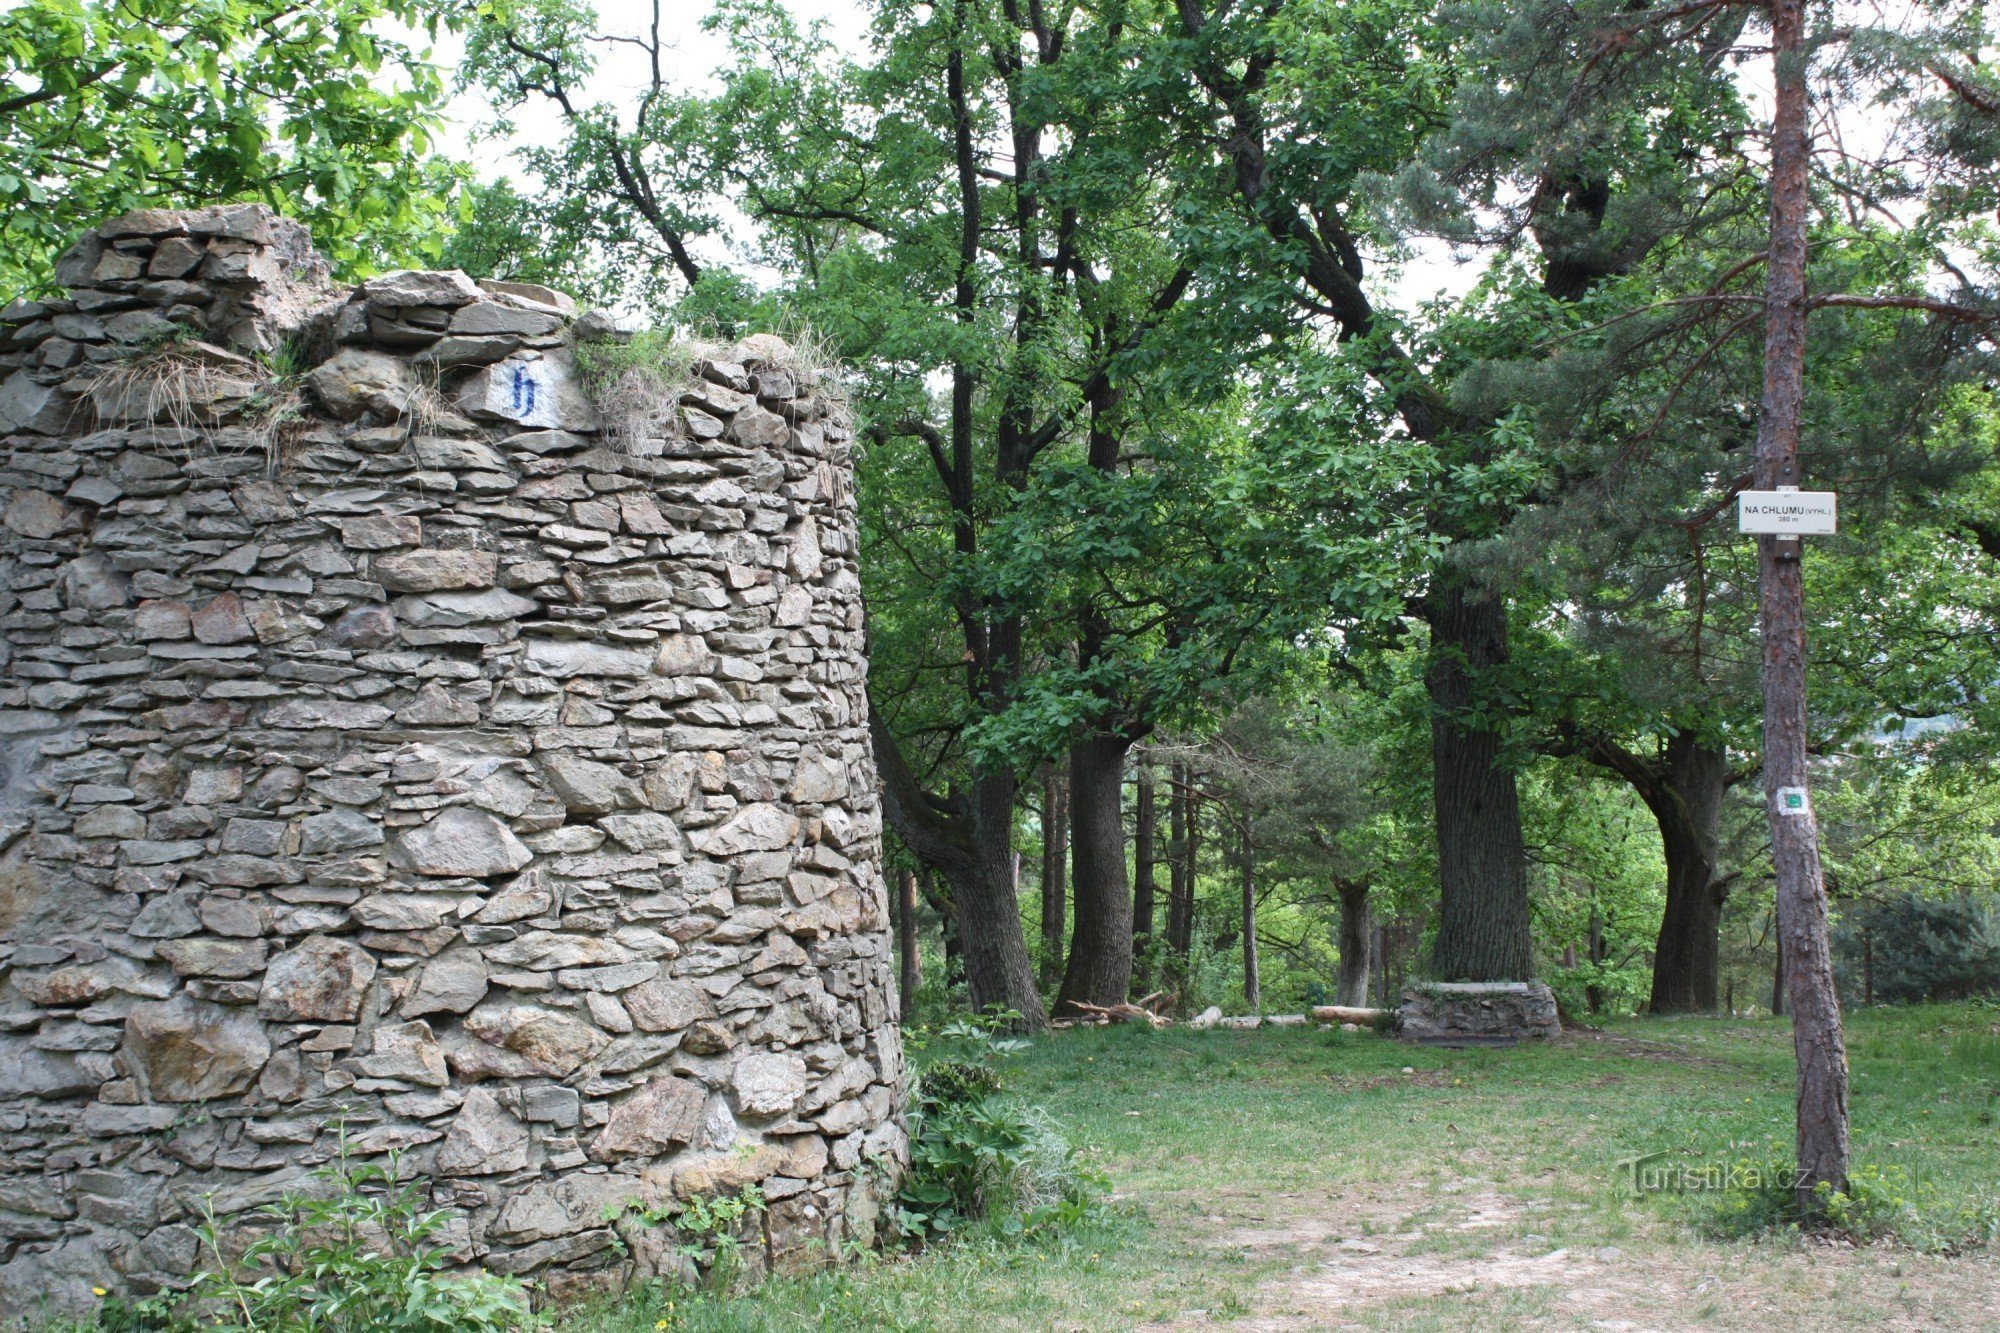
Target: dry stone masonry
column 386, row 752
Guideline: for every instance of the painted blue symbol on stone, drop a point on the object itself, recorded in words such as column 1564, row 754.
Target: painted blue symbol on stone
column 525, row 388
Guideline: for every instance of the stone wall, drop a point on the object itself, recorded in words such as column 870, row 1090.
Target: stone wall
column 383, row 746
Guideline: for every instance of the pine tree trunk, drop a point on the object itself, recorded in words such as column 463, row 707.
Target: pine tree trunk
column 1483, row 925
column 1688, row 808
column 1055, row 870
column 1777, row 975
column 1253, row 989
column 1817, row 1039
column 1145, row 831
column 909, row 973
column 1100, row 947
column 1356, row 930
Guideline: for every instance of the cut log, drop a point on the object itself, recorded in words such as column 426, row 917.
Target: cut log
column 1343, row 1013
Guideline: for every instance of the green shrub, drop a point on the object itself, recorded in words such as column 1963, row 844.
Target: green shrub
column 977, row 1158
column 361, row 1258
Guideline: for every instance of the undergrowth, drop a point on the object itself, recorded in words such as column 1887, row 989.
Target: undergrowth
column 1880, row 1204
column 362, row 1256
column 978, row 1157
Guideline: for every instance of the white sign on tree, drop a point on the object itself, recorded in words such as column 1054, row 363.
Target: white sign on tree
column 1786, row 513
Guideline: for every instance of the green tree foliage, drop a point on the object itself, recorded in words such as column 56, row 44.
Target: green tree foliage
column 323, row 110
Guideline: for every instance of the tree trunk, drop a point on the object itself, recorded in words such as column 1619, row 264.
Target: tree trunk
column 1253, row 990
column 1593, row 994
column 997, row 971
column 1055, row 869
column 970, row 837
column 1777, row 974
column 1100, row 947
column 1687, row 805
column 1483, row 926
column 909, row 975
column 1380, row 965
column 1355, row 932
column 1187, row 849
column 1145, row 834
column 1803, row 942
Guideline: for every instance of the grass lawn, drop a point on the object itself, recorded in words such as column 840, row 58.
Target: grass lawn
column 1289, row 1179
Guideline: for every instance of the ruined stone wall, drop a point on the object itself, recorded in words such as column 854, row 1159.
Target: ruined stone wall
column 382, row 745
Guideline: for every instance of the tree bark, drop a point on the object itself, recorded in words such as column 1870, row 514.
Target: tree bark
column 1253, row 989
column 1100, row 947
column 1145, row 830
column 1055, row 870
column 1593, row 994
column 969, row 837
column 1356, row 930
column 1483, row 923
column 1803, row 944
column 1180, row 862
column 909, row 974
column 1688, row 809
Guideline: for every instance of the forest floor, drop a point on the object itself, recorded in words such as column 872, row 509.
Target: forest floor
column 1295, row 1180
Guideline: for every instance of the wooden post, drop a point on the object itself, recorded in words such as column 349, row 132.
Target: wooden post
column 1803, row 945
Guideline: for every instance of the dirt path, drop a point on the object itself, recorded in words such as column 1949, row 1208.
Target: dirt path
column 1476, row 1260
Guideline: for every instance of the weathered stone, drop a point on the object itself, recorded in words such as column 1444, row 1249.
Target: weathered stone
column 664, row 1114
column 587, row 787
column 460, row 842
column 540, row 392
column 227, row 959
column 37, row 514
column 487, row 317
column 186, row 1051
column 563, row 1207
column 726, row 1175
column 363, row 628
column 666, row 1005
column 161, row 620
column 484, row 1139
column 91, row 582
column 1478, row 1013
column 644, row 832
column 27, row 405
column 767, row 1084
column 338, row 830
column 339, row 823
column 338, row 714
column 754, row 828
column 435, row 570
column 322, row 980
column 546, row 1041
column 409, row 1052
column 567, row 657
column 451, row 983
column 435, row 706
column 357, row 380
column 408, row 287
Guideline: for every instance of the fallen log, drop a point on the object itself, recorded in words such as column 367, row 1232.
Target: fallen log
column 1343, row 1013
column 1121, row 1013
